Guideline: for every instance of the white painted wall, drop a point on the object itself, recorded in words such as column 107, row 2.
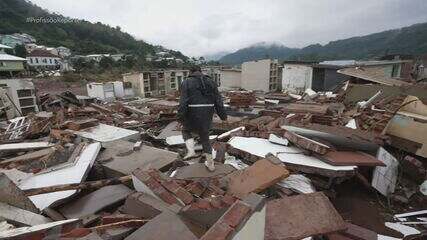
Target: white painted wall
column 256, row 75
column 137, row 81
column 296, row 77
column 102, row 91
column 230, row 79
column 119, row 91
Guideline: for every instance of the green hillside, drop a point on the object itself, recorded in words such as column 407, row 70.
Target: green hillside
column 407, row 40
column 82, row 37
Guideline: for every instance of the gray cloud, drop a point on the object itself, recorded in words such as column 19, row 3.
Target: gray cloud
column 198, row 27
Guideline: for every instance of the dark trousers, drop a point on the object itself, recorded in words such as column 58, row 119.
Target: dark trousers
column 203, row 135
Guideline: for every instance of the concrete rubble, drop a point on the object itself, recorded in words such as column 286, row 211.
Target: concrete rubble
column 348, row 164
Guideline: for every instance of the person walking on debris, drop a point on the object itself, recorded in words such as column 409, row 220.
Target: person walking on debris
column 198, row 101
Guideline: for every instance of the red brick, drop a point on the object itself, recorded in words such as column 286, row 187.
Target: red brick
column 184, row 196
column 216, row 202
column 219, row 231
column 228, row 200
column 202, row 204
column 236, row 214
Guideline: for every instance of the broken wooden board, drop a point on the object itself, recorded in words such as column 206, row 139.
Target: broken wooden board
column 51, row 230
column 73, row 173
column 256, row 178
column 28, row 157
column 119, row 159
column 24, row 146
column 350, row 158
column 301, row 216
column 82, row 124
column 95, row 201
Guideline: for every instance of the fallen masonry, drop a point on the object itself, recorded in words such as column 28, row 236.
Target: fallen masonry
column 348, row 164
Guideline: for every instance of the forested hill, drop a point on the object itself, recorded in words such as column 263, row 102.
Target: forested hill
column 81, row 36
column 407, row 40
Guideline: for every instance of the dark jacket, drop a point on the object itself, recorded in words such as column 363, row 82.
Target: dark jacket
column 197, row 91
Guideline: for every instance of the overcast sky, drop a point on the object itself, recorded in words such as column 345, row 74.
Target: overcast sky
column 200, row 27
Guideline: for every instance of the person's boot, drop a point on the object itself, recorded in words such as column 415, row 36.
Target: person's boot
column 189, row 143
column 209, row 163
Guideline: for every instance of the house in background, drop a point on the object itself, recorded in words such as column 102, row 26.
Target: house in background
column 383, row 72
column 261, row 75
column 23, row 95
column 24, row 38
column 297, row 75
column 63, row 51
column 43, row 60
column 154, row 82
column 101, row 91
column 327, row 75
column 214, row 72
column 230, row 79
column 10, row 65
column 11, row 41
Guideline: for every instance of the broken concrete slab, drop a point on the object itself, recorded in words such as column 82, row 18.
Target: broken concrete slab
column 306, row 143
column 291, row 156
column 21, row 217
column 278, row 140
column 170, row 130
column 75, row 173
column 105, row 133
column 298, row 183
column 167, row 225
column 256, row 178
column 51, row 230
column 199, row 170
column 302, row 216
column 119, row 159
column 340, row 136
column 350, row 158
column 146, row 206
column 254, row 227
column 12, row 195
column 95, row 201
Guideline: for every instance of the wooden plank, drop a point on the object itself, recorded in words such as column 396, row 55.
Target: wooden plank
column 350, row 158
column 301, row 216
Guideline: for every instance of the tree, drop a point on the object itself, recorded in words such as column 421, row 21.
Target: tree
column 20, row 51
column 106, row 62
column 129, row 62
